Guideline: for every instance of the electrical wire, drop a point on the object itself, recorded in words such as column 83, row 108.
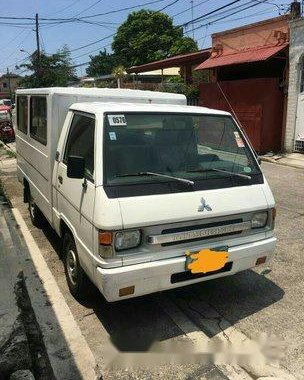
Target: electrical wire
column 210, row 13
column 167, row 6
column 7, row 44
column 188, row 9
column 86, row 9
column 93, row 43
column 17, row 48
column 92, row 51
column 67, row 7
column 223, row 17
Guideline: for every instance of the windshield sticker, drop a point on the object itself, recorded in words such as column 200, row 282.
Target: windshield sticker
column 117, row 120
column 112, row 136
column 238, row 139
column 247, row 169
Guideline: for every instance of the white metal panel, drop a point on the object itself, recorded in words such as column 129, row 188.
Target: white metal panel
column 110, row 94
column 176, row 207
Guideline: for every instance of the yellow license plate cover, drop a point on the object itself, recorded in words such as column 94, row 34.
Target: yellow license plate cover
column 207, row 259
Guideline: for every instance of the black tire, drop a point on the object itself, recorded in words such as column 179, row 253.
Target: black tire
column 35, row 214
column 78, row 282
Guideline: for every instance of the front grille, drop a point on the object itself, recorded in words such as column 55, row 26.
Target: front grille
column 187, row 275
column 196, row 227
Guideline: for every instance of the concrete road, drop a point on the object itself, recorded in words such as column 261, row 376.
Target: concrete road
column 269, row 300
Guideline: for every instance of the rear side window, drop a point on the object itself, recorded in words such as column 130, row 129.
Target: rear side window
column 38, row 119
column 81, row 141
column 22, row 113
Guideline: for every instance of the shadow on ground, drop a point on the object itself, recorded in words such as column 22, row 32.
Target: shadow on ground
column 135, row 324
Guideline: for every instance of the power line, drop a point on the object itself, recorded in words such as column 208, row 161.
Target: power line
column 210, row 13
column 18, row 46
column 92, row 51
column 84, row 17
column 188, row 9
column 123, row 9
column 65, row 8
column 12, row 40
column 86, row 9
column 222, row 17
column 167, row 6
column 93, row 43
column 113, row 34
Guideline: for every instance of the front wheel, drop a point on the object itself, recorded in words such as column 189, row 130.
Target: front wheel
column 77, row 280
column 35, row 213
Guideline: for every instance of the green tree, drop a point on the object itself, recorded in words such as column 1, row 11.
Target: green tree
column 101, row 64
column 183, row 45
column 148, row 36
column 51, row 70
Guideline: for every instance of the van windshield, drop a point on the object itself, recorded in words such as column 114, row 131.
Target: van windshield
column 194, row 147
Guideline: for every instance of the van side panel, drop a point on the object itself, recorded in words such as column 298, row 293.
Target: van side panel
column 33, row 165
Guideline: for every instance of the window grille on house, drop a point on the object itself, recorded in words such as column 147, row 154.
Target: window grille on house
column 299, row 146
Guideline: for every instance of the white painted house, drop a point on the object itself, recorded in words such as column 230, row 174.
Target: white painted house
column 294, row 135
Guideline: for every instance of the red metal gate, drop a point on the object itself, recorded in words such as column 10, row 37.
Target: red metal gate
column 258, row 104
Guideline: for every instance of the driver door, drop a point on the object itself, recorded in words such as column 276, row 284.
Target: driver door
column 76, row 197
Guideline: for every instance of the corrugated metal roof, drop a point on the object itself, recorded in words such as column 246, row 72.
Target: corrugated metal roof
column 172, row 61
column 249, row 55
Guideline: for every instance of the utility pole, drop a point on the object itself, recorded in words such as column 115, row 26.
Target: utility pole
column 191, row 1
column 38, row 50
column 9, row 82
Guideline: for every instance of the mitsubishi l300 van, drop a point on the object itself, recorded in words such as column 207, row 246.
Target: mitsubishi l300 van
column 146, row 193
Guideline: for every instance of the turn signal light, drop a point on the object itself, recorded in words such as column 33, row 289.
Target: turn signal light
column 126, row 291
column 261, row 260
column 105, row 237
column 274, row 213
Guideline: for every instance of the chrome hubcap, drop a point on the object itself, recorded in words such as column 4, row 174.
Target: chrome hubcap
column 32, row 208
column 72, row 266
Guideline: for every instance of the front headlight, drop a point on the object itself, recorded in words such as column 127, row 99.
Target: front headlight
column 259, row 219
column 127, row 239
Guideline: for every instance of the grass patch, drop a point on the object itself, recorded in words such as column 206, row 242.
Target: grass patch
column 11, row 154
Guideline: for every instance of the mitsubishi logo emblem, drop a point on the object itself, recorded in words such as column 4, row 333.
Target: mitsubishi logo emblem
column 204, row 206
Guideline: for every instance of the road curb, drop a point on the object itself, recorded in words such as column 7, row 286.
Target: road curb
column 7, row 147
column 277, row 162
column 68, row 351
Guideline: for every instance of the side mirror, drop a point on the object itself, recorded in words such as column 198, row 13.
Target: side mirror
column 76, row 167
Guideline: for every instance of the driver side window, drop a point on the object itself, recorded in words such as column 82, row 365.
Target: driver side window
column 81, row 141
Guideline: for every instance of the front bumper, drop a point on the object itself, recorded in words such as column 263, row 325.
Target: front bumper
column 155, row 276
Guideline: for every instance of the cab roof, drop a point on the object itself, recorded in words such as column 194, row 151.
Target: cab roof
column 100, row 107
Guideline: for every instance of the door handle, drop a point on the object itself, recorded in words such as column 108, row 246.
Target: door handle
column 60, row 179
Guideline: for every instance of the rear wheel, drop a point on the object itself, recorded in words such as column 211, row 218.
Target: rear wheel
column 35, row 213
column 77, row 280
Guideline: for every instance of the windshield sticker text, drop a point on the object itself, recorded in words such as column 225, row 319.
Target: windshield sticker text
column 238, row 139
column 117, row 120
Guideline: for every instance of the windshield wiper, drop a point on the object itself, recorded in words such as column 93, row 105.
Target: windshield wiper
column 201, row 170
column 183, row 180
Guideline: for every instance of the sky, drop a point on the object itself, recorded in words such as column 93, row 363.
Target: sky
column 54, row 34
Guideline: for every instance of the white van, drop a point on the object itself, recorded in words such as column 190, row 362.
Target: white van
column 146, row 192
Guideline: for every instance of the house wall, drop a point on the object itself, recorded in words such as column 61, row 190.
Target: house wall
column 296, row 54
column 252, row 35
column 4, row 85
